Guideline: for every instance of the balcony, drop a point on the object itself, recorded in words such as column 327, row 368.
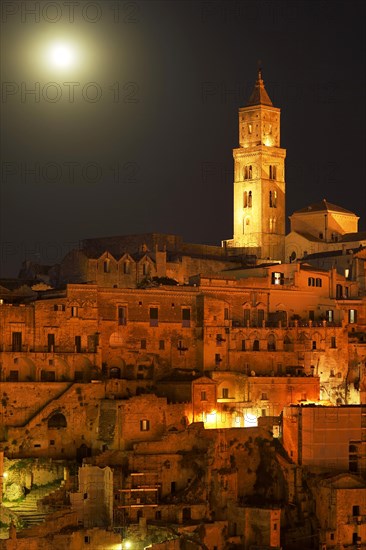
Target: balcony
column 356, row 520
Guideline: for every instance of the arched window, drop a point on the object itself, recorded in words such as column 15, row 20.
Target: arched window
column 248, row 172
column 270, row 199
column 272, row 172
column 249, row 199
column 126, row 267
column 287, row 344
column 245, row 199
column 311, row 281
column 57, row 420
column 256, row 345
column 106, row 266
column 271, row 343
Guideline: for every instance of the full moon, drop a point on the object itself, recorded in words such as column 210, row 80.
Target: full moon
column 62, row 55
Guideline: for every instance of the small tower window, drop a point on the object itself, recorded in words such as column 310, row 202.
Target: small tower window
column 272, row 172
column 248, row 172
column 249, row 199
column 250, row 128
column 245, row 199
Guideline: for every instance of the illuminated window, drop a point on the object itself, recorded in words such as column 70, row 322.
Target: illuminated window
column 346, row 273
column 329, row 315
column 250, row 128
column 106, row 266
column 144, row 425
column 278, row 278
column 352, row 316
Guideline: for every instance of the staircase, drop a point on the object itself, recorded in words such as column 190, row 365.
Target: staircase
column 27, row 509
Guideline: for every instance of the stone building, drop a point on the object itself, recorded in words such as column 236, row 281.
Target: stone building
column 326, row 438
column 341, row 510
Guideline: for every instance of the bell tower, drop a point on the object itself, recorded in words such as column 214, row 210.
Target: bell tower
column 259, row 179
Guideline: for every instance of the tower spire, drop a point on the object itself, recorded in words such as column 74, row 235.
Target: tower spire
column 259, row 94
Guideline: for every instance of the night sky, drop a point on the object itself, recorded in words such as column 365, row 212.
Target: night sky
column 157, row 154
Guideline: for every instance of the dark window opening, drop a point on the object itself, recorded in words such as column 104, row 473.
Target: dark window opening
column 78, row 344
column 256, row 345
column 57, row 420
column 50, row 343
column 122, row 315
column 186, row 317
column 154, row 316
column 16, row 342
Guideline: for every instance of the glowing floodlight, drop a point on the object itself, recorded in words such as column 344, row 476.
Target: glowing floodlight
column 62, row 55
column 250, row 420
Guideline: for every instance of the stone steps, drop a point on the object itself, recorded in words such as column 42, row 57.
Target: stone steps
column 27, row 509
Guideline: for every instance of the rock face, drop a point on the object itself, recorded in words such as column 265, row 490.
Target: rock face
column 14, row 492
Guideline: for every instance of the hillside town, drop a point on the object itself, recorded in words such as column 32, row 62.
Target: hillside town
column 171, row 395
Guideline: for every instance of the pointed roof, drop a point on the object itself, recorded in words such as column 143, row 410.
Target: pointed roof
column 259, row 94
column 324, row 206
